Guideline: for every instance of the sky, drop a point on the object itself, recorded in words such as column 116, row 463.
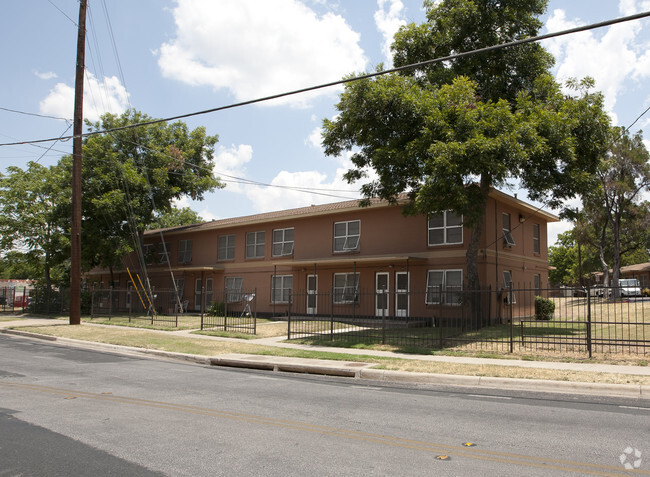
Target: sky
column 172, row 57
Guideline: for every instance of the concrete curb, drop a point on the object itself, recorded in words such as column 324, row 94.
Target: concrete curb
column 358, row 370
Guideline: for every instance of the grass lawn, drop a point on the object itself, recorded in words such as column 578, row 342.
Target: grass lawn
column 150, row 339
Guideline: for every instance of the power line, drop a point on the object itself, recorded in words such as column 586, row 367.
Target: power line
column 34, row 114
column 362, row 77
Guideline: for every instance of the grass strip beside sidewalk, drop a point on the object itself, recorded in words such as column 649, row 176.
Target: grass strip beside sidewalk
column 140, row 338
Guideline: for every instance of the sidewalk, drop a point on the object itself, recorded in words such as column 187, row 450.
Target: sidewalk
column 361, row 370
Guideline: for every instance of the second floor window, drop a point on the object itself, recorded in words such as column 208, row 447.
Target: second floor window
column 163, row 253
column 184, row 251
column 226, row 247
column 508, row 240
column 445, row 228
column 282, row 242
column 147, row 251
column 535, row 238
column 347, row 236
column 255, row 244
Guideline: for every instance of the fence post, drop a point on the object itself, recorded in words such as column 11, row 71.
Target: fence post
column 589, row 320
column 383, row 316
column 202, row 301
column 332, row 314
column 255, row 311
column 510, row 300
column 225, row 309
column 289, row 317
column 440, row 320
column 92, row 304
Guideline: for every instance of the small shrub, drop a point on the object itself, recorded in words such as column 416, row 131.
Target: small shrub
column 217, row 309
column 646, row 292
column 544, row 308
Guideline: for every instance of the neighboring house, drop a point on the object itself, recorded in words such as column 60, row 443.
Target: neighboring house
column 640, row 271
column 343, row 250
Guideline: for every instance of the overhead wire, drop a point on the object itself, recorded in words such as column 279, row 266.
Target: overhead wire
column 363, row 76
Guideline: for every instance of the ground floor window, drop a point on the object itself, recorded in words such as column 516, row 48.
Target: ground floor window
column 346, row 288
column 233, row 289
column 444, row 286
column 281, row 286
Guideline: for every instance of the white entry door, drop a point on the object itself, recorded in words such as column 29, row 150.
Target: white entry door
column 382, row 290
column 402, row 294
column 312, row 294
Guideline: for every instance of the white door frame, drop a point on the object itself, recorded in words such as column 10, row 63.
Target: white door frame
column 399, row 292
column 382, row 294
column 312, row 294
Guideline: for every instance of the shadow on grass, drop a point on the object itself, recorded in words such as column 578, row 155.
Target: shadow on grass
column 432, row 340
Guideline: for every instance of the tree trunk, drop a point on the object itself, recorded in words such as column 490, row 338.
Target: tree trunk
column 473, row 279
column 616, row 259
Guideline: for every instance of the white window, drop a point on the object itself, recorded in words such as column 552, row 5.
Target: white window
column 445, row 228
column 508, row 240
column 255, row 244
column 226, row 247
column 507, row 284
column 537, row 284
column 535, row 238
column 163, row 252
column 282, row 242
column 184, row 251
column 281, row 286
column 347, row 236
column 444, row 286
column 346, row 288
column 233, row 289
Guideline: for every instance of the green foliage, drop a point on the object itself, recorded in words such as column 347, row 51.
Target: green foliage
column 217, row 309
column 34, row 215
column 445, row 134
column 544, row 308
column 174, row 218
column 131, row 178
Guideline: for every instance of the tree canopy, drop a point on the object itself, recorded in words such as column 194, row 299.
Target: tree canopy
column 445, row 134
column 131, row 175
column 130, row 180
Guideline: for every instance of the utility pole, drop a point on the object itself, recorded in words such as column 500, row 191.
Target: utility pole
column 75, row 232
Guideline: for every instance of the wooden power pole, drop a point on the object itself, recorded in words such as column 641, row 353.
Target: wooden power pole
column 75, row 232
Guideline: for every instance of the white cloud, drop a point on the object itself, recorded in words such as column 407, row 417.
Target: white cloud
column 231, row 162
column 315, row 139
column 99, row 97
column 388, row 21
column 282, row 196
column 45, row 76
column 611, row 58
column 256, row 49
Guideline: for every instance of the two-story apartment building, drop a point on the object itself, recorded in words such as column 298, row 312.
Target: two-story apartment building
column 341, row 250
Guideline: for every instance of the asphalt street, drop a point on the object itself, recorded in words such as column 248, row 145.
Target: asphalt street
column 74, row 411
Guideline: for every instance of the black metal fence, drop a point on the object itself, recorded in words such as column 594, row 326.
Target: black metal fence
column 516, row 319
column 225, row 310
column 233, row 311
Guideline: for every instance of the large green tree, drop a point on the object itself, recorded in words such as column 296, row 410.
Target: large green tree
column 174, row 217
column 34, row 206
column 132, row 176
column 446, row 133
